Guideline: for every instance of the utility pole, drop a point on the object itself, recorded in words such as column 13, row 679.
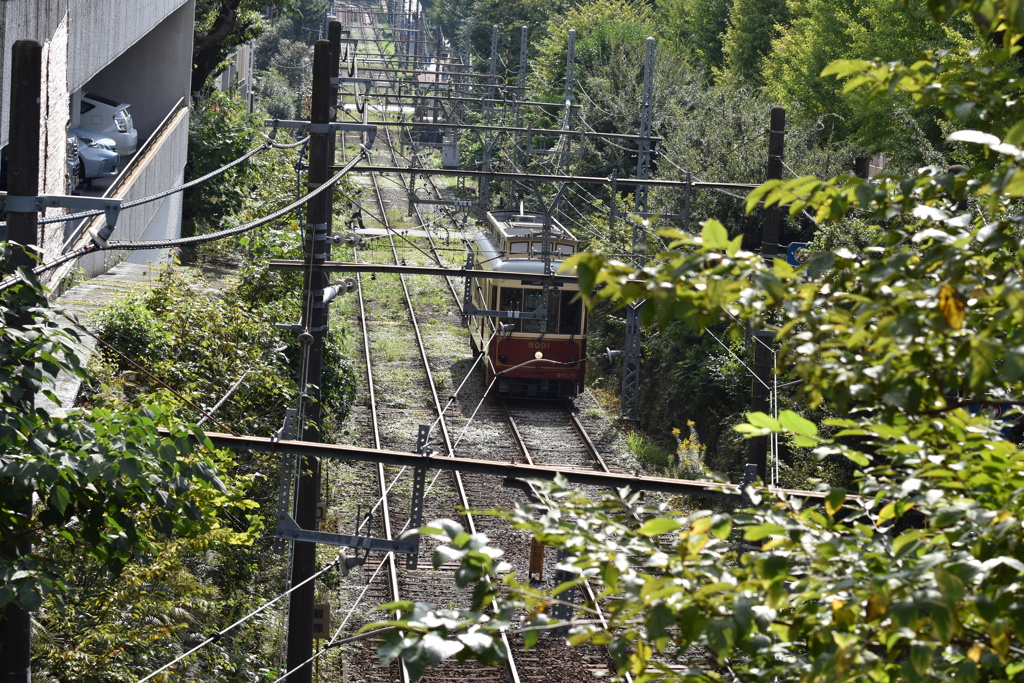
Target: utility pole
column 334, row 38
column 484, row 190
column 520, row 153
column 314, row 330
column 23, row 181
column 631, row 346
column 764, row 341
column 565, row 140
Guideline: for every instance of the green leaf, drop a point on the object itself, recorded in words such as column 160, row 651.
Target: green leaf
column 478, row 643
column 714, row 236
column 59, row 498
column 658, row 526
column 905, row 539
column 796, row 424
column 757, row 533
column 390, row 647
column 984, row 356
column 921, row 659
column 857, row 458
column 841, row 68
column 658, row 621
column 721, row 526
column 834, row 500
column 764, row 421
column 952, row 587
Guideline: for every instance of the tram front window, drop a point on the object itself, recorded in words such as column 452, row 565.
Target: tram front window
column 512, row 300
column 531, row 302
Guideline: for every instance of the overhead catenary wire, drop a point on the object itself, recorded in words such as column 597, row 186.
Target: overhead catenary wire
column 219, row 634
column 160, row 195
column 186, row 241
column 147, row 373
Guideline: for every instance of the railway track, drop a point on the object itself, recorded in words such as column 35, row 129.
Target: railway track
column 415, row 358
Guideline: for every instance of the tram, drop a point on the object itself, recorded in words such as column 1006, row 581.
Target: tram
column 534, row 334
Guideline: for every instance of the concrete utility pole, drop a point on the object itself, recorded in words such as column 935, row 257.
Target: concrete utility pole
column 23, row 181
column 631, row 346
column 484, row 189
column 764, row 341
column 564, row 147
column 334, row 38
column 314, row 330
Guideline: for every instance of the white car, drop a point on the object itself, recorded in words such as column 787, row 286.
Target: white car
column 111, row 120
column 96, row 156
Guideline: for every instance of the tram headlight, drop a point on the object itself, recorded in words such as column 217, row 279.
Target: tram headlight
column 502, row 358
column 538, row 355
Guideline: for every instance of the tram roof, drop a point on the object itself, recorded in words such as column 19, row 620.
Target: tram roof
column 492, row 258
column 526, row 224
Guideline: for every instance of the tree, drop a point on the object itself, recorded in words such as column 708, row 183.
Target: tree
column 603, row 27
column 221, row 26
column 753, row 25
column 694, row 30
column 109, row 484
column 823, row 32
column 914, row 573
column 308, row 20
column 220, row 131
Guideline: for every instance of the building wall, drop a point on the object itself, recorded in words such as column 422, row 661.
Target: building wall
column 151, row 75
column 36, row 19
column 102, row 30
column 137, row 51
column 53, row 136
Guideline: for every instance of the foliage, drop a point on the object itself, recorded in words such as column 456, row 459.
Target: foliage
column 275, row 95
column 199, row 343
column 912, row 575
column 694, row 30
column 306, row 20
column 822, row 32
column 482, row 15
column 108, row 484
column 753, row 25
column 220, row 27
column 220, row 131
column 602, row 27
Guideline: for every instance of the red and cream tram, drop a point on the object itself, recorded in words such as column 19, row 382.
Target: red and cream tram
column 534, row 335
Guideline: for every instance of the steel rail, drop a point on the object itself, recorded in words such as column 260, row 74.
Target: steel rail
column 459, row 484
column 554, row 280
column 517, row 436
column 515, row 129
column 710, row 489
column 594, row 453
column 423, row 224
column 382, row 484
column 389, row 558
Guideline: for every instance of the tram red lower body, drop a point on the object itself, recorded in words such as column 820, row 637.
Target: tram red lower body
column 557, row 373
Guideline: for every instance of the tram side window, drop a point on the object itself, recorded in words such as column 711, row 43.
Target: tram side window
column 512, row 300
column 570, row 314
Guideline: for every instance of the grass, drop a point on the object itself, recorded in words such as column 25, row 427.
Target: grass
column 648, row 451
column 393, row 347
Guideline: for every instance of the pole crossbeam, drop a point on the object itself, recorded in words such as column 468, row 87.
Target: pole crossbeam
column 553, row 178
column 511, row 471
